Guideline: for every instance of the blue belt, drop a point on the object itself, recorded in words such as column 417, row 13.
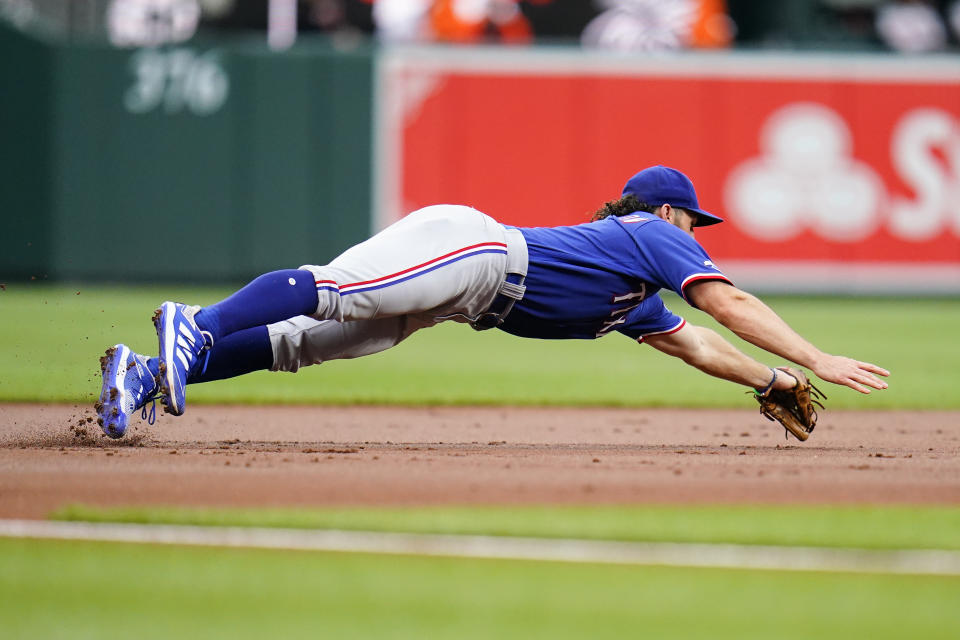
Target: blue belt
column 511, row 290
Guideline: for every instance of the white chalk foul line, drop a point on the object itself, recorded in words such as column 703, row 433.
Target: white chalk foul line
column 728, row 556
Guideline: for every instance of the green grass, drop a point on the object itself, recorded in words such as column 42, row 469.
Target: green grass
column 95, row 590
column 875, row 527
column 51, row 338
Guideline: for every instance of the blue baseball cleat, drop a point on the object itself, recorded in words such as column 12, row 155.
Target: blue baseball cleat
column 128, row 385
column 181, row 343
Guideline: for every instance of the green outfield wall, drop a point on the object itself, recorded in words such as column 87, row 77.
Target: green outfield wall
column 211, row 161
column 25, row 155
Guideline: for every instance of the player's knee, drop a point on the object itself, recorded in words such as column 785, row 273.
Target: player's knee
column 290, row 345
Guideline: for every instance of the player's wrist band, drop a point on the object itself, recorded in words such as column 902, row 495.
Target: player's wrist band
column 763, row 392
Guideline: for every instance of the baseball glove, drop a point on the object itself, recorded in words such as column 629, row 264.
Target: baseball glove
column 793, row 408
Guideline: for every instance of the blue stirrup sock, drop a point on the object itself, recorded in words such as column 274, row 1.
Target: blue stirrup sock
column 272, row 297
column 241, row 342
column 240, row 352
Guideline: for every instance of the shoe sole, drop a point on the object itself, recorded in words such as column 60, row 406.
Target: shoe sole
column 113, row 368
column 166, row 336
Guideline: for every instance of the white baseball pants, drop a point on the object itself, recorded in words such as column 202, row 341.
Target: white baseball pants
column 444, row 262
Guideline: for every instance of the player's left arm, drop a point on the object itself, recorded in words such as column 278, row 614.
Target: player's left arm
column 706, row 350
column 751, row 319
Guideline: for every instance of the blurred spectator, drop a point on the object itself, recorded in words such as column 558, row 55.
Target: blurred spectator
column 148, row 23
column 467, row 21
column 655, row 25
column 402, row 20
column 911, row 26
column 478, row 20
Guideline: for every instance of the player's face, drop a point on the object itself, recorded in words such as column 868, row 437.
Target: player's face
column 685, row 220
column 680, row 218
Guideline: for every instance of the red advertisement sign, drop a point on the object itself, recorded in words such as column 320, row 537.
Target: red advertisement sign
column 848, row 168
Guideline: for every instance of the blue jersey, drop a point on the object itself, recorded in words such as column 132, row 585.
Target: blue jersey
column 587, row 280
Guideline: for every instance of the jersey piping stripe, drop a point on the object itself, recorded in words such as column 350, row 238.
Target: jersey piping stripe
column 413, row 272
column 696, row 277
column 679, row 326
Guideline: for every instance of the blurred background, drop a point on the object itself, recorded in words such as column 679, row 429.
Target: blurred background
column 635, row 25
column 207, row 141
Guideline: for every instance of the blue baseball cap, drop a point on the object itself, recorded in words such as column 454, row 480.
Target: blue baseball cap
column 662, row 185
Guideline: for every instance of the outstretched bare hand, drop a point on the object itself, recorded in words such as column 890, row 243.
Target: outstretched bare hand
column 851, row 373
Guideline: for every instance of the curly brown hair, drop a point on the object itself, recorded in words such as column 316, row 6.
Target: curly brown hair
column 623, row 207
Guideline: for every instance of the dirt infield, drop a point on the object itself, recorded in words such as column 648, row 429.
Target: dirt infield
column 280, row 456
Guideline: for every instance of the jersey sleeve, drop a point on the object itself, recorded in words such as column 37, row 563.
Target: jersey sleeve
column 650, row 318
column 674, row 260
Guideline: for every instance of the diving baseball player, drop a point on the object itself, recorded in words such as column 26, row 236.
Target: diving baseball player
column 450, row 262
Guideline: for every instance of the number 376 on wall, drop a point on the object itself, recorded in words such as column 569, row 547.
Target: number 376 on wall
column 177, row 80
